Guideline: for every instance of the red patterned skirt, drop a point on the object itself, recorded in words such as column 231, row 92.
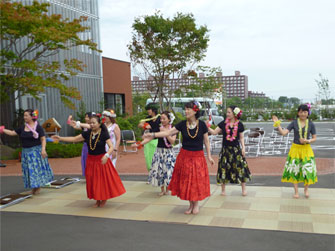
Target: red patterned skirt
column 102, row 181
column 190, row 179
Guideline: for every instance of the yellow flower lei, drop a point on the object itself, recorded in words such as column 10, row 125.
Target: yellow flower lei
column 300, row 129
column 149, row 119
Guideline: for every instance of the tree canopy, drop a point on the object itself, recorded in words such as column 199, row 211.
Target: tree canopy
column 167, row 48
column 30, row 70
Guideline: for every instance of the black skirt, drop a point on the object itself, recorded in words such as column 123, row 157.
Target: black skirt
column 233, row 167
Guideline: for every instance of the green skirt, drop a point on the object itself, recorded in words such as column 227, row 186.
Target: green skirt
column 300, row 165
column 149, row 151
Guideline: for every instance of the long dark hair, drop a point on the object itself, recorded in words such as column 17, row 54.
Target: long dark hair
column 102, row 125
column 30, row 111
column 191, row 105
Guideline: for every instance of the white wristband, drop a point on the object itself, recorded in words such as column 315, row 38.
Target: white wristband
column 107, row 155
column 78, row 124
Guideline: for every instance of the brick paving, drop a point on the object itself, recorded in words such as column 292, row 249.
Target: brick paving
column 134, row 164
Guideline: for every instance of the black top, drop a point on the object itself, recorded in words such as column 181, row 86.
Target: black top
column 294, row 125
column 100, row 148
column 154, row 124
column 161, row 143
column 190, row 144
column 27, row 138
column 235, row 142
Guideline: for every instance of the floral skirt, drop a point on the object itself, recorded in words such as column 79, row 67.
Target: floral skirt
column 300, row 165
column 36, row 170
column 233, row 167
column 149, row 151
column 102, row 181
column 190, row 179
column 162, row 167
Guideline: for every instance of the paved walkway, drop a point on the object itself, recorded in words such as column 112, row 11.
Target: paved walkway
column 134, row 163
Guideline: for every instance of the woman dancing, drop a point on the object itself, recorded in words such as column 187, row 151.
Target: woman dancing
column 36, row 170
column 163, row 160
column 190, row 179
column 300, row 163
column 233, row 167
column 102, row 180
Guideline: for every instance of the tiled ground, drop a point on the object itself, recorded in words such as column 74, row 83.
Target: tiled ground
column 268, row 208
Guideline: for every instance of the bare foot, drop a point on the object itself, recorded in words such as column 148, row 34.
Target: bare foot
column 244, row 193
column 296, row 196
column 306, row 194
column 167, row 193
column 223, row 193
column 103, row 203
column 161, row 193
column 97, row 204
column 189, row 210
column 35, row 191
column 196, row 210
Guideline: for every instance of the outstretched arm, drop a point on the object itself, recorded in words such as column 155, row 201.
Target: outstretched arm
column 162, row 134
column 216, row 131
column 282, row 131
column 9, row 132
column 78, row 138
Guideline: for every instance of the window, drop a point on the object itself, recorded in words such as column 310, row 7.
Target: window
column 115, row 102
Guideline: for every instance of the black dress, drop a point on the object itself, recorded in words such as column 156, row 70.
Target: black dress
column 233, row 167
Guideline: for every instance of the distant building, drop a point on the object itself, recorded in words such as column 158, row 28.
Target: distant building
column 235, row 85
column 252, row 94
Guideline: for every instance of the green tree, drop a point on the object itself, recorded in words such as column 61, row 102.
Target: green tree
column 30, row 70
column 139, row 102
column 324, row 89
column 283, row 99
column 166, row 47
column 294, row 101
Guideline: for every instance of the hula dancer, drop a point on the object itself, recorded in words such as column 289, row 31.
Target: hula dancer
column 233, row 167
column 190, row 179
column 164, row 159
column 36, row 170
column 114, row 132
column 300, row 163
column 84, row 127
column 102, row 180
column 151, row 124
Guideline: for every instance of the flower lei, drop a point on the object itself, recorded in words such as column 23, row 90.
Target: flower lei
column 165, row 139
column 300, row 129
column 231, row 137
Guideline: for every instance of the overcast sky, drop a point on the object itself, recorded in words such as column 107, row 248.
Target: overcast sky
column 281, row 45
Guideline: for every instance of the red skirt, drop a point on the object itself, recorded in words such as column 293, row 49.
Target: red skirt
column 102, row 181
column 190, row 179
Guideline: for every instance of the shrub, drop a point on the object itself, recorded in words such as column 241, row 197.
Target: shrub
column 58, row 150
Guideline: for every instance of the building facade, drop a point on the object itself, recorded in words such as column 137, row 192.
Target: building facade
column 89, row 82
column 234, row 86
column 117, row 85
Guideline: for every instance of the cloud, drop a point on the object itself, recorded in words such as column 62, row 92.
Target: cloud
column 280, row 45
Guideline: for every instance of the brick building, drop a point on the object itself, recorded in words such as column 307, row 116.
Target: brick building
column 117, row 85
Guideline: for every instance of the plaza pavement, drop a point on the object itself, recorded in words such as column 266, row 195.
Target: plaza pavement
column 267, row 219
